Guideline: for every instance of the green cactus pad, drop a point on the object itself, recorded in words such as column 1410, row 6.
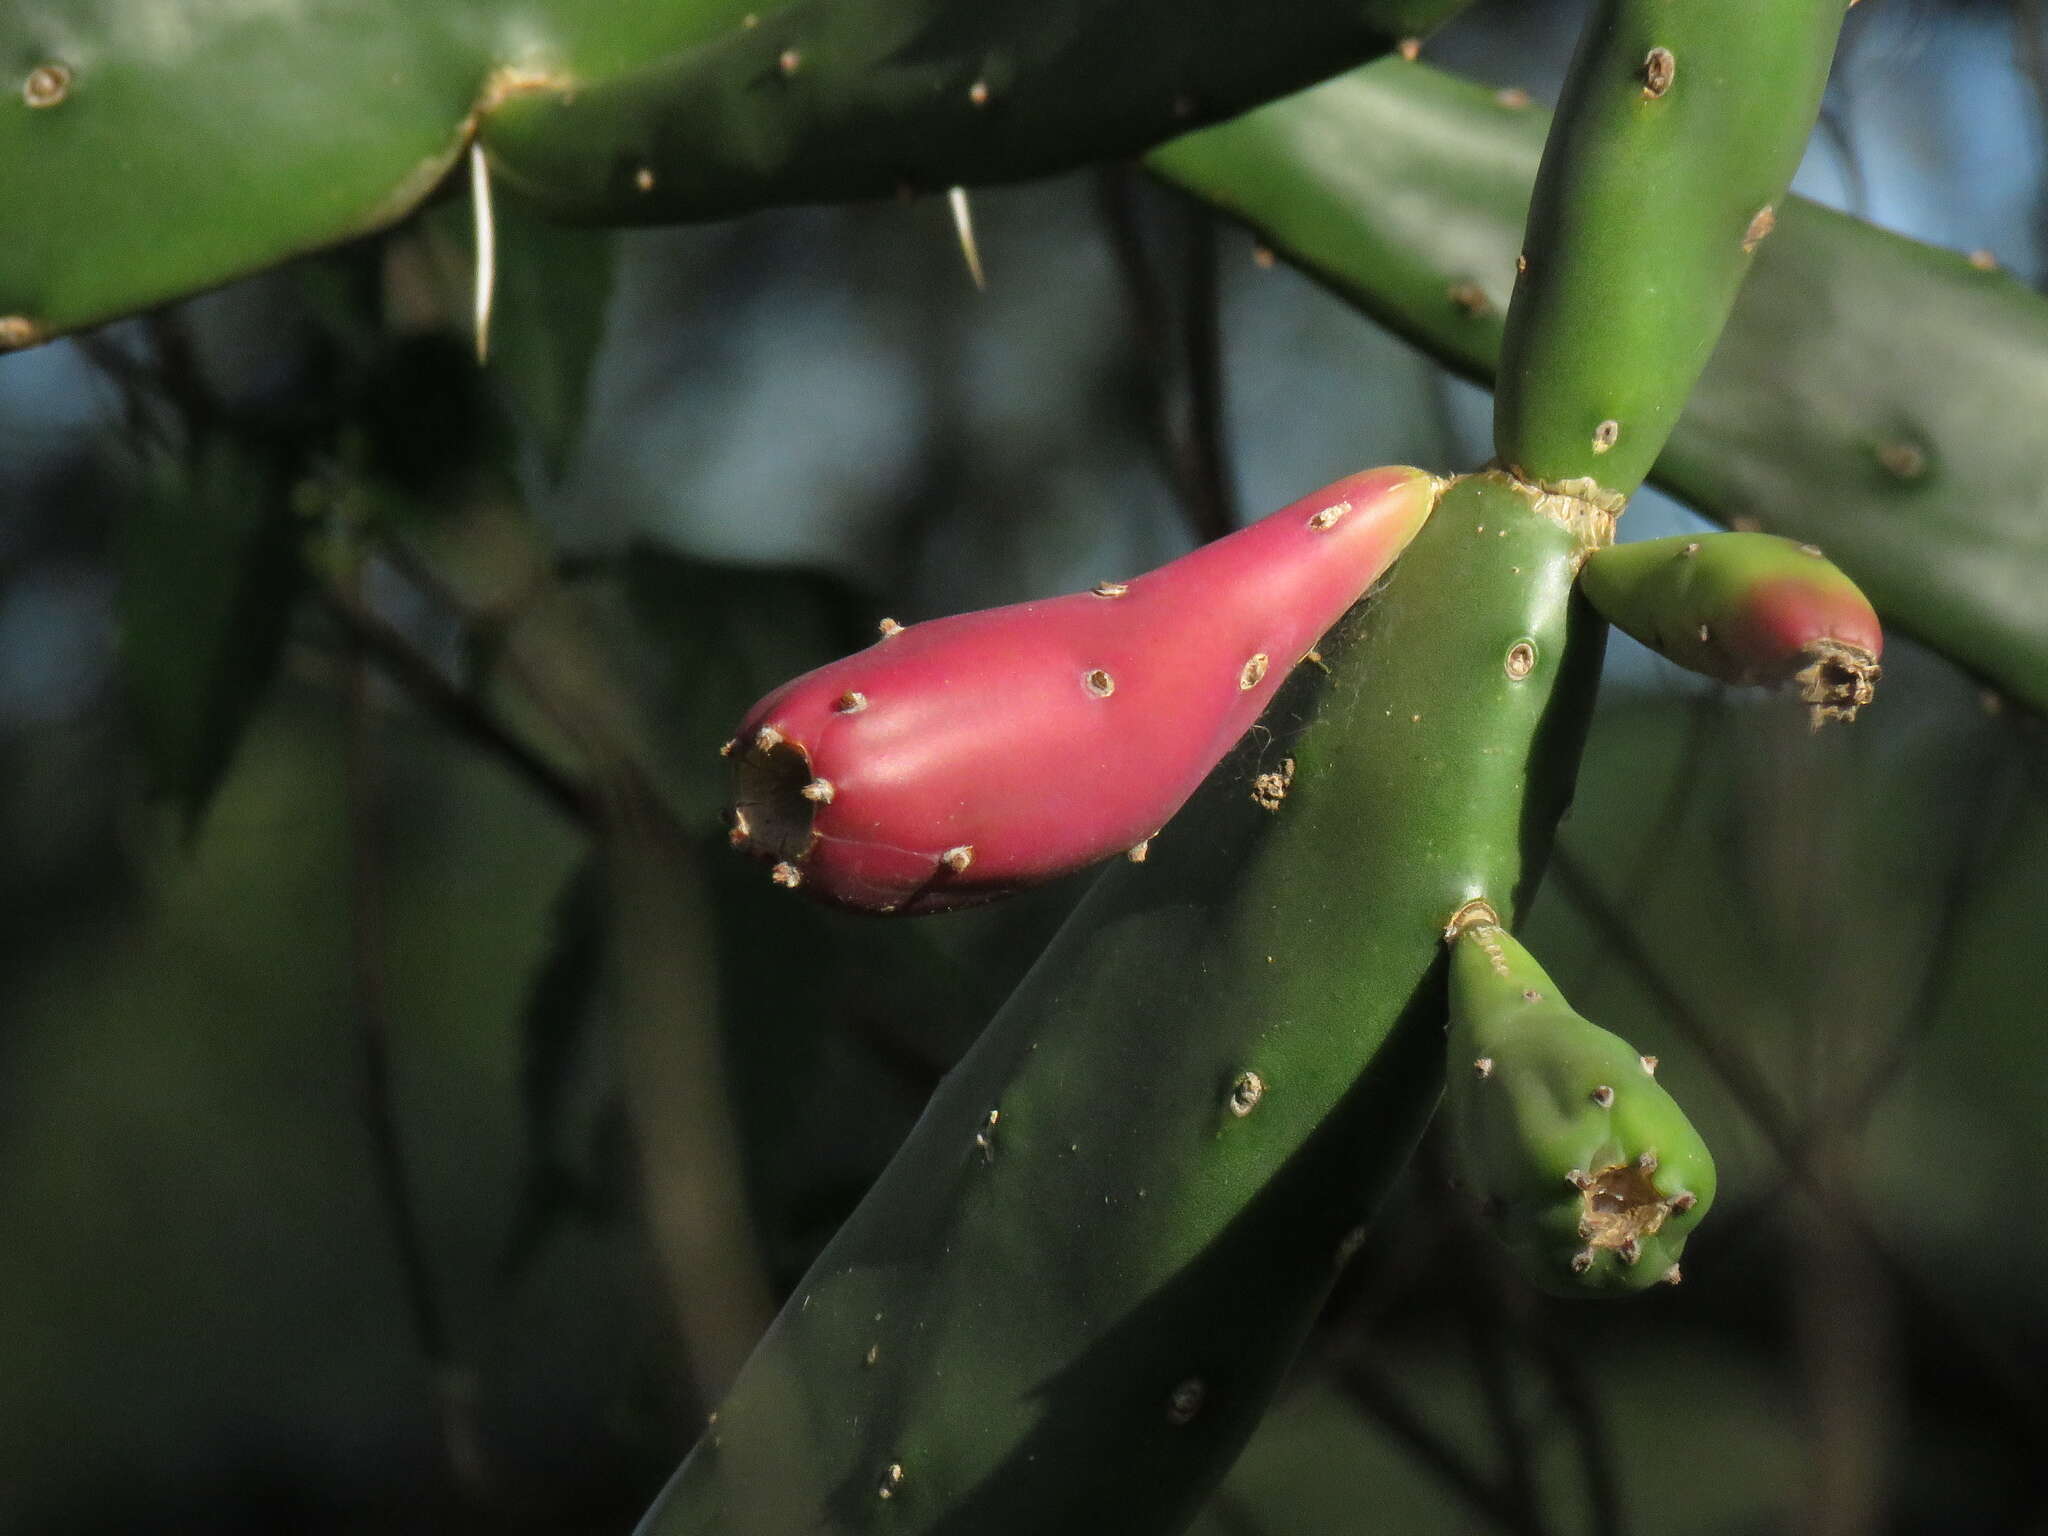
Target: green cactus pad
column 1679, row 128
column 1072, row 1295
column 1587, row 1169
column 1406, row 191
column 323, row 120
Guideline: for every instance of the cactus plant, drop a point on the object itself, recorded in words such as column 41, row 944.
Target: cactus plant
column 619, row 111
column 1406, row 190
column 1029, row 1288
column 1069, row 1298
column 1587, row 1168
column 1746, row 608
column 960, row 759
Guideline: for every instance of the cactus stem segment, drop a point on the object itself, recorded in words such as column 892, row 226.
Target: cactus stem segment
column 963, row 230
column 47, row 84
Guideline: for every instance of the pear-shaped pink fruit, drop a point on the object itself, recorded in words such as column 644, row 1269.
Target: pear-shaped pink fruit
column 958, row 760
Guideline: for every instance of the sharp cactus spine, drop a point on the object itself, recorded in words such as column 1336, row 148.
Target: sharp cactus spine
column 993, row 750
column 1746, row 608
column 1588, row 1169
column 1203, row 1086
column 1677, row 134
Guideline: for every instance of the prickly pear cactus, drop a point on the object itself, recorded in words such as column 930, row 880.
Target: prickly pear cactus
column 606, row 110
column 961, row 759
column 1069, row 1299
column 1746, row 608
column 1586, row 1168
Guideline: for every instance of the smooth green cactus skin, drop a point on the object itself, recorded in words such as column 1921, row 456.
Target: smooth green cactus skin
column 319, row 120
column 829, row 99
column 1069, row 1299
column 1405, row 190
column 1678, row 131
column 1589, row 1171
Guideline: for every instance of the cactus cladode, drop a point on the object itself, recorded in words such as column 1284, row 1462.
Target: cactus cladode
column 1589, row 1170
column 960, row 759
column 1746, row 608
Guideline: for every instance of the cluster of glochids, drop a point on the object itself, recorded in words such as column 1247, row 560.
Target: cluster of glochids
column 959, row 760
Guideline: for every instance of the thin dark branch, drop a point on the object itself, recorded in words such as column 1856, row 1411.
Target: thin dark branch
column 453, row 1392
column 454, row 707
column 1759, row 1098
column 1377, row 1399
column 1754, row 1096
column 1496, row 1385
column 1152, row 326
column 1575, row 1395
column 1209, row 479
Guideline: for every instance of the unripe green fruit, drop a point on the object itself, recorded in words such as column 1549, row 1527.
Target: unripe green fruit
column 1588, row 1170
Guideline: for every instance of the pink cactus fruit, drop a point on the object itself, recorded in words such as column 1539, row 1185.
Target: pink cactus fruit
column 958, row 760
